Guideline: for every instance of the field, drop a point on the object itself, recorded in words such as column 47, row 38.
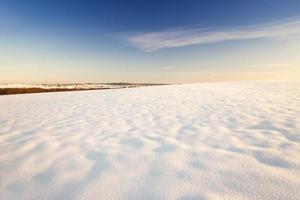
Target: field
column 7, row 89
column 227, row 140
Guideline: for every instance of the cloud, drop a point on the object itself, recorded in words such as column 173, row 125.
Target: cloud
column 153, row 41
column 278, row 64
column 169, row 67
column 273, row 65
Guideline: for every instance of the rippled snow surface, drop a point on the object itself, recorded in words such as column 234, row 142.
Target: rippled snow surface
column 234, row 140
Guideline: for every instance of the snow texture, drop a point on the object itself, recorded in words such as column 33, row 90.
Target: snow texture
column 234, row 140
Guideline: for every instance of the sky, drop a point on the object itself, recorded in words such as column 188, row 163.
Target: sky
column 71, row 41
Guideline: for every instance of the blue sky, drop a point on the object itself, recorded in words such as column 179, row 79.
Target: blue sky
column 148, row 41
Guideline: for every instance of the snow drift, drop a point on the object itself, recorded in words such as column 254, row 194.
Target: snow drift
column 235, row 140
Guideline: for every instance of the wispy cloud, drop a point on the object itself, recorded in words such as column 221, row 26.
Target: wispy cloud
column 169, row 67
column 278, row 64
column 152, row 41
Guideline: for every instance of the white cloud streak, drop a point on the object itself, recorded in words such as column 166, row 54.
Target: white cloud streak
column 169, row 67
column 153, row 41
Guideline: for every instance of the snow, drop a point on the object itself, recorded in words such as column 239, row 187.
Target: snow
column 70, row 86
column 231, row 140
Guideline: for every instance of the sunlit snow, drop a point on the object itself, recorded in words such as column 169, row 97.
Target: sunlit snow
column 234, row 140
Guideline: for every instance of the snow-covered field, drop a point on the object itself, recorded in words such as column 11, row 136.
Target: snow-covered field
column 72, row 86
column 234, row 140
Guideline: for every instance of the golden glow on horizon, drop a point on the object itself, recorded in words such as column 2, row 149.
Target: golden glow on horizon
column 245, row 61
